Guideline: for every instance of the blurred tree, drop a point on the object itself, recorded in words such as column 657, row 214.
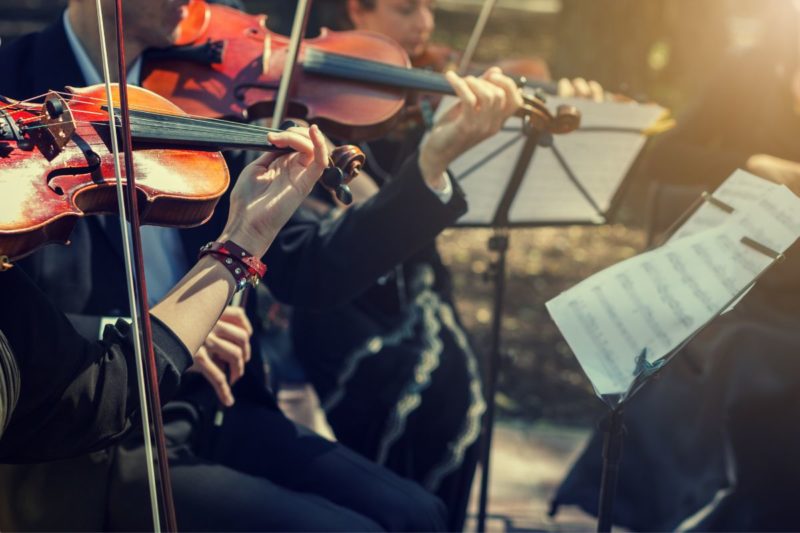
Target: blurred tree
column 660, row 49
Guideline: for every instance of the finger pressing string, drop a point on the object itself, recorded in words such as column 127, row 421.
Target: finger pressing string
column 462, row 90
column 321, row 153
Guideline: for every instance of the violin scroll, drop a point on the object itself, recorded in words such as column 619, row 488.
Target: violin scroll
column 537, row 118
column 350, row 159
column 345, row 164
column 567, row 119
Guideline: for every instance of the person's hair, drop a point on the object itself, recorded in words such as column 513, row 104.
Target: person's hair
column 339, row 19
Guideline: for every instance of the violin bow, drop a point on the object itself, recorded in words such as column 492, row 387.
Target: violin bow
column 146, row 373
column 298, row 32
column 299, row 26
column 477, row 33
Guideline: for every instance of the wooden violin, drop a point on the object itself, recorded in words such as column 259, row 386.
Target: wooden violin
column 56, row 164
column 353, row 83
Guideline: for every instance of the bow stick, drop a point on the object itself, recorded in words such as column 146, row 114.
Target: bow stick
column 293, row 51
column 281, row 103
column 147, row 376
column 477, row 33
column 299, row 26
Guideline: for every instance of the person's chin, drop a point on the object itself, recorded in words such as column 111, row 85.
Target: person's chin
column 416, row 49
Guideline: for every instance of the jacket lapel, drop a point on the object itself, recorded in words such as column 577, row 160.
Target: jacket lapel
column 53, row 65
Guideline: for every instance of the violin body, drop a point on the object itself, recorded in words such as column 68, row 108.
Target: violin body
column 63, row 169
column 239, row 76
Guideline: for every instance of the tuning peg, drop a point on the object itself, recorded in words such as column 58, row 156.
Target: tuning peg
column 344, row 194
column 286, row 124
column 332, row 178
column 546, row 139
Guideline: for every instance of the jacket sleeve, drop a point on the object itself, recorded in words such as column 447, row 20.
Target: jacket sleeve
column 75, row 395
column 321, row 262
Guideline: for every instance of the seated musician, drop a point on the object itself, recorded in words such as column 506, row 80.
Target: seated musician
column 258, row 471
column 62, row 395
column 411, row 23
column 374, row 323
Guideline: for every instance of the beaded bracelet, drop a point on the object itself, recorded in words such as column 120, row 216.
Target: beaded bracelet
column 243, row 266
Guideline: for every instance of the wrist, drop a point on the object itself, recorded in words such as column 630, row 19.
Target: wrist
column 254, row 245
column 243, row 266
column 433, row 170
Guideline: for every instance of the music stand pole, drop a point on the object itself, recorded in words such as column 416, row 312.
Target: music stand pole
column 612, row 453
column 499, row 243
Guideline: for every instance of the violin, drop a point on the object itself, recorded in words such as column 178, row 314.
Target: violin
column 57, row 164
column 353, row 84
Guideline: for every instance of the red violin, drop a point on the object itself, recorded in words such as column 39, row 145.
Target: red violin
column 57, row 164
column 353, row 84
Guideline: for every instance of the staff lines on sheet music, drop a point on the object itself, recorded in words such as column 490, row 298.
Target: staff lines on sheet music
column 688, row 280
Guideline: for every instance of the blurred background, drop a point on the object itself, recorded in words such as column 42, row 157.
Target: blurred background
column 663, row 51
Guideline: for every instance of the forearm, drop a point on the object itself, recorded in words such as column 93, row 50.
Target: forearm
column 192, row 308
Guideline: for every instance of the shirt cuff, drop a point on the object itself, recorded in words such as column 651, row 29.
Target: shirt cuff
column 446, row 194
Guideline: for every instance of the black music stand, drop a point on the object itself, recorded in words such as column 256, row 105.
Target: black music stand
column 511, row 185
column 644, row 371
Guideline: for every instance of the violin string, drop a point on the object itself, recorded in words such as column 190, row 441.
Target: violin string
column 181, row 133
column 30, row 119
column 94, row 100
column 227, row 125
column 26, row 101
column 418, row 79
column 229, row 131
column 391, row 74
column 188, row 123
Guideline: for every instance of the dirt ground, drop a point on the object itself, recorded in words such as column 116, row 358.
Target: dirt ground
column 541, row 379
column 528, row 463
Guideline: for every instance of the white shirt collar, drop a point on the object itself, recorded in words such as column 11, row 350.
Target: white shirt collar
column 90, row 74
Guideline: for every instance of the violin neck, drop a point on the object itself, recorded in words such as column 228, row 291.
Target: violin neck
column 364, row 70
column 197, row 133
column 367, row 71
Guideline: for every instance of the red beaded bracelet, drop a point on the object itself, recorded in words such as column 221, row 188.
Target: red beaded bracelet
column 244, row 267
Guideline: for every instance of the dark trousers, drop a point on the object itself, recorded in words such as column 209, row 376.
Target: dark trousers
column 260, row 471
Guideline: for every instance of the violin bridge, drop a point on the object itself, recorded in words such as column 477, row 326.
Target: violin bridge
column 56, row 128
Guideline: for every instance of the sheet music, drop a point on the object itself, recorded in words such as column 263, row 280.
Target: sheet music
column 600, row 155
column 657, row 300
column 739, row 191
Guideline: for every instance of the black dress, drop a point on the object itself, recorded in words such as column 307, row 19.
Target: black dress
column 375, row 326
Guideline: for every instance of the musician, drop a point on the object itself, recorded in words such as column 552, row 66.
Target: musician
column 373, row 321
column 62, row 395
column 258, row 471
